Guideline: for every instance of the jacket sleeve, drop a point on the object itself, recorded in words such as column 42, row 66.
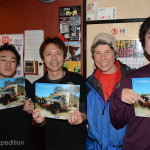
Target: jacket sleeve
column 120, row 112
column 83, row 99
column 28, row 89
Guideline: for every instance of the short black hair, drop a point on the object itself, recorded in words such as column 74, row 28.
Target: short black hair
column 56, row 41
column 143, row 30
column 11, row 47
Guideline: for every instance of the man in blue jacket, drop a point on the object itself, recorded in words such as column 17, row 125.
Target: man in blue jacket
column 101, row 84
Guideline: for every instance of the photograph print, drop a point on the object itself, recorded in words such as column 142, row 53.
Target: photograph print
column 12, row 92
column 56, row 100
column 142, row 87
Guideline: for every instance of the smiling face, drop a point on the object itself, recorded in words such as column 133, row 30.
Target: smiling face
column 53, row 58
column 147, row 42
column 8, row 64
column 104, row 58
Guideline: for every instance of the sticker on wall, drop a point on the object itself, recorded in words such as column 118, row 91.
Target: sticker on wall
column 107, row 13
column 122, row 31
column 114, row 31
column 92, row 11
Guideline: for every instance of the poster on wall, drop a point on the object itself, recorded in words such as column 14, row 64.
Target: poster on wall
column 73, row 51
column 72, row 61
column 17, row 41
column 131, row 53
column 70, row 23
column 73, row 66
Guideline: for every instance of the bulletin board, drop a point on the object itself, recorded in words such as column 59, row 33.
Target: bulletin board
column 125, row 33
column 125, row 9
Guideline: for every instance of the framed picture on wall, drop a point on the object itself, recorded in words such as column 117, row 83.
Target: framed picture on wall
column 29, row 67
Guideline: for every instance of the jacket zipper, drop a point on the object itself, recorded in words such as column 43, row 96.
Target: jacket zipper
column 105, row 107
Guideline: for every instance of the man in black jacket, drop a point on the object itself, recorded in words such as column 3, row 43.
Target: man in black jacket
column 15, row 123
column 61, row 134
